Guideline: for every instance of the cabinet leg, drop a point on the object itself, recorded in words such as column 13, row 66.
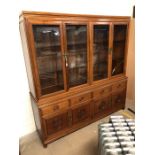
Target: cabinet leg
column 45, row 145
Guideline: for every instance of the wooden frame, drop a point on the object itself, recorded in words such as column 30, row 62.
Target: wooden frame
column 89, row 93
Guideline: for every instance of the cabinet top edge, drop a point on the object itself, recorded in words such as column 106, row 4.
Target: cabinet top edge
column 35, row 13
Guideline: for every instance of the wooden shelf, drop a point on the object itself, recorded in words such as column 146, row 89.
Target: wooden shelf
column 103, row 63
column 79, row 82
column 43, row 45
column 76, row 52
column 78, row 67
column 101, row 42
column 100, row 76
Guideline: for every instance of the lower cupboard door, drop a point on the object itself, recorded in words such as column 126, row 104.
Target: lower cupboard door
column 56, row 123
column 118, row 100
column 81, row 114
column 102, row 106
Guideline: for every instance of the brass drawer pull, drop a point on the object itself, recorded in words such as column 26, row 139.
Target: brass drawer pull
column 119, row 86
column 56, row 107
column 103, row 91
column 82, row 98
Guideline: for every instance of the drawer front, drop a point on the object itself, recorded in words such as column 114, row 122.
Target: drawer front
column 81, row 98
column 55, row 107
column 101, row 92
column 118, row 100
column 118, row 86
column 102, row 106
column 81, row 114
column 57, row 123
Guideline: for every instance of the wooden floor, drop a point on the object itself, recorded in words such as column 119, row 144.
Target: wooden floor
column 81, row 142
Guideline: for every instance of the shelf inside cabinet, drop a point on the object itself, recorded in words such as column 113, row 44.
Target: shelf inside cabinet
column 76, row 43
column 101, row 42
column 50, row 89
column 100, row 76
column 79, row 81
column 77, row 52
column 46, row 45
column 49, row 79
column 118, row 59
column 101, row 63
column 49, row 54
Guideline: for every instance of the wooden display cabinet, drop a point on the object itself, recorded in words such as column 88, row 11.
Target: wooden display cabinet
column 76, row 67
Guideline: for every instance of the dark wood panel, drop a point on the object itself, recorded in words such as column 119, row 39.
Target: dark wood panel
column 57, row 123
column 102, row 106
column 81, row 113
column 118, row 99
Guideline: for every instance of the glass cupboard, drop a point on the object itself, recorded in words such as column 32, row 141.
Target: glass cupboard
column 62, row 53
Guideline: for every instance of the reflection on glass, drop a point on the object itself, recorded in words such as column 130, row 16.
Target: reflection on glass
column 77, row 54
column 48, row 52
column 100, row 51
column 118, row 49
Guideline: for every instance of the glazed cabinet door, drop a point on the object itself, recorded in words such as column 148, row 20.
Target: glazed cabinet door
column 76, row 54
column 119, row 48
column 48, row 56
column 100, row 48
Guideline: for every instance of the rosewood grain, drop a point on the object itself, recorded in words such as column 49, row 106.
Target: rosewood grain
column 61, row 112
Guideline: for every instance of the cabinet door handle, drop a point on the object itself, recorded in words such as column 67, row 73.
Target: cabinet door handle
column 66, row 60
column 81, row 98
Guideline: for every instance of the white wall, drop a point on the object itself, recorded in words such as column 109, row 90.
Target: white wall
column 101, row 7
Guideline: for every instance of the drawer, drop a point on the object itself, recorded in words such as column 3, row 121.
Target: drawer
column 101, row 92
column 120, row 85
column 55, row 107
column 81, row 98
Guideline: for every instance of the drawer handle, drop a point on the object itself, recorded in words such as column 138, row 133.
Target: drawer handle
column 119, row 86
column 103, row 91
column 82, row 98
column 56, row 107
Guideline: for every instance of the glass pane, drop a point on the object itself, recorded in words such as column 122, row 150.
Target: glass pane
column 118, row 49
column 49, row 59
column 77, row 54
column 100, row 51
